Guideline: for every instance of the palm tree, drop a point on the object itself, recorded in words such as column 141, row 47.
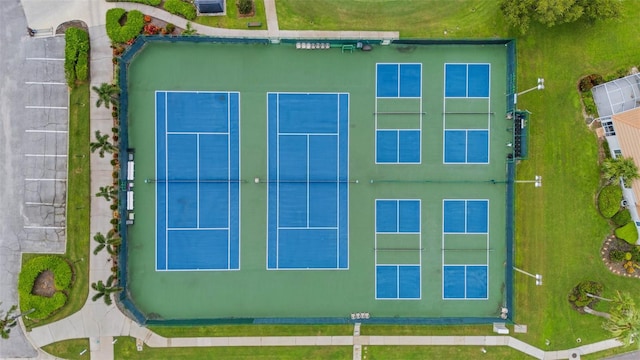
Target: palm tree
column 8, row 321
column 108, row 192
column 107, row 94
column 620, row 167
column 624, row 319
column 102, row 144
column 189, row 31
column 105, row 290
column 110, row 242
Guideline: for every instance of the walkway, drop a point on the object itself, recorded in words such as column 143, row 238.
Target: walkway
column 100, row 323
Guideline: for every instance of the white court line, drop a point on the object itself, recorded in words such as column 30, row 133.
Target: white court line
column 44, row 83
column 44, row 179
column 198, row 182
column 45, row 107
column 45, row 155
column 47, row 131
column 43, row 203
column 45, row 59
column 45, row 227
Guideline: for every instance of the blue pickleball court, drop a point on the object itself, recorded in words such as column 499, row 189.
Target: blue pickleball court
column 467, row 80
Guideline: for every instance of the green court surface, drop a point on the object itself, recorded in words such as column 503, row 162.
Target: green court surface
column 252, row 292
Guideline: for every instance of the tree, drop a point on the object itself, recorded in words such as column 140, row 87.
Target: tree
column 102, row 144
column 110, row 242
column 107, row 94
column 620, row 167
column 8, row 321
column 623, row 321
column 189, row 31
column 520, row 13
column 105, row 290
column 108, row 192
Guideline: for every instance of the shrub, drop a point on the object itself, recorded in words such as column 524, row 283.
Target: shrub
column 181, row 8
column 622, row 217
column 76, row 55
column 170, row 28
column 245, row 6
column 45, row 306
column 616, row 255
column 578, row 295
column 628, row 233
column 589, row 104
column 589, row 81
column 609, row 200
column 123, row 33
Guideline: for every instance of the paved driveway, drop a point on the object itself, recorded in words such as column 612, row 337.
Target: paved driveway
column 33, row 150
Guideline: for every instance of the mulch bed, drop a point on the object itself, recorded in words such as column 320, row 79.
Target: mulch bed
column 44, row 284
column 613, row 243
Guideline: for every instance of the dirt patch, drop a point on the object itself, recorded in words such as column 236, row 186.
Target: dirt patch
column 44, row 284
column 69, row 24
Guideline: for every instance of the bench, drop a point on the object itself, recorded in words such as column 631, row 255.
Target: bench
column 254, row 24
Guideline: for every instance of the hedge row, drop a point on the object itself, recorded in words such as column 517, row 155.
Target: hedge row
column 628, row 233
column 622, row 217
column 44, row 306
column 123, row 33
column 76, row 55
column 146, row 2
column 609, row 200
column 181, row 8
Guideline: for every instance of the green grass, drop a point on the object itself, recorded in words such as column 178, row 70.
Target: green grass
column 441, row 352
column 435, row 330
column 252, row 330
column 69, row 349
column 125, row 348
column 78, row 204
column 233, row 21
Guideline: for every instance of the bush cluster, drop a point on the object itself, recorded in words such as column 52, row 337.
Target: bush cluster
column 181, row 8
column 578, row 296
column 245, row 7
column 76, row 55
column 146, row 2
column 622, row 217
column 589, row 81
column 616, row 255
column 44, row 306
column 609, row 200
column 628, row 233
column 123, row 33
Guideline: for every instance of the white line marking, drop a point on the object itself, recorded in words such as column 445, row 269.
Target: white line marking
column 35, row 179
column 45, row 107
column 45, row 227
column 45, row 155
column 43, row 203
column 45, row 59
column 47, row 131
column 44, row 83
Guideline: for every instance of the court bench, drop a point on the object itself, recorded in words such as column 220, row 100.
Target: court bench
column 254, row 24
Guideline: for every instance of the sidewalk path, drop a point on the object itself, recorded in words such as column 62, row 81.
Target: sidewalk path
column 100, row 323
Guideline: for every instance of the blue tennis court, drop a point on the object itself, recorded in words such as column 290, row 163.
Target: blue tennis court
column 467, row 80
column 398, row 257
column 467, row 221
column 399, row 80
column 308, row 178
column 466, row 146
column 197, row 187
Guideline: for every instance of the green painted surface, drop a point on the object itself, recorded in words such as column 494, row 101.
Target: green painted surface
column 254, row 70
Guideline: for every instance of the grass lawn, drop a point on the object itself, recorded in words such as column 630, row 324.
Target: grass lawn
column 252, row 330
column 78, row 204
column 441, row 352
column 233, row 20
column 69, row 349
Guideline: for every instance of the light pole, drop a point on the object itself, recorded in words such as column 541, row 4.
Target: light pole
column 540, row 86
column 537, row 181
column 538, row 277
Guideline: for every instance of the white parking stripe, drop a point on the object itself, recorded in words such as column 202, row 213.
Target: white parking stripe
column 45, row 155
column 45, row 227
column 47, row 131
column 45, row 107
column 43, row 203
column 35, row 179
column 45, row 59
column 44, row 83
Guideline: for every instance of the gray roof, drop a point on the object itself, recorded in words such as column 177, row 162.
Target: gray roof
column 210, row 6
column 617, row 96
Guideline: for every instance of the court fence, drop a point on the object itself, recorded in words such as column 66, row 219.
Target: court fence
column 124, row 298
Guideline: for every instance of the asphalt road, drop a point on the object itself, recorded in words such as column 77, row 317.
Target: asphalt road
column 33, row 150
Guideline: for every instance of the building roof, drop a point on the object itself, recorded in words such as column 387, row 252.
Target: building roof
column 627, row 126
column 617, row 96
column 210, row 6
